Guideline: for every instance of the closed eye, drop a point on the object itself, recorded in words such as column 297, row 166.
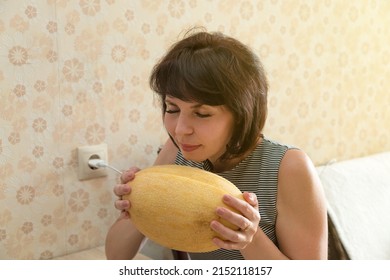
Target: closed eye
column 203, row 115
column 172, row 111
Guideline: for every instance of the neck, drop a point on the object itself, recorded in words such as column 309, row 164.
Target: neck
column 225, row 165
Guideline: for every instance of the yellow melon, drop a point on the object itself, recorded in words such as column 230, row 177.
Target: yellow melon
column 173, row 205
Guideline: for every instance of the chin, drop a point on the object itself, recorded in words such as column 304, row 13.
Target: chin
column 195, row 158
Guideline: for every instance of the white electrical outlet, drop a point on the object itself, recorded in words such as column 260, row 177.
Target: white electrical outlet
column 86, row 153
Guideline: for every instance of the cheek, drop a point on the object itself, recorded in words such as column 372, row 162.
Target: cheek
column 225, row 129
column 217, row 136
column 230, row 130
column 169, row 124
column 226, row 134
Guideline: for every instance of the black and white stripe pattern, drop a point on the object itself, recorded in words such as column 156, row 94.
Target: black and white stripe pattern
column 258, row 173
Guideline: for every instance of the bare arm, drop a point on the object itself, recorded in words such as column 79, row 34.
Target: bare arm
column 301, row 225
column 302, row 228
column 123, row 240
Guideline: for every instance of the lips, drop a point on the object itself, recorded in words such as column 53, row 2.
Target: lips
column 189, row 148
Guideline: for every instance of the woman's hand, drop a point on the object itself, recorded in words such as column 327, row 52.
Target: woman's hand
column 124, row 189
column 247, row 220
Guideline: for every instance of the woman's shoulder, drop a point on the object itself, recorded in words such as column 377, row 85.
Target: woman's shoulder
column 296, row 162
column 296, row 171
column 297, row 175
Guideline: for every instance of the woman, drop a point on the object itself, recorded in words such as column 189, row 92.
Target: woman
column 213, row 92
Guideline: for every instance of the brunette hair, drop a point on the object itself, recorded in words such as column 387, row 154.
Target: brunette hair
column 214, row 69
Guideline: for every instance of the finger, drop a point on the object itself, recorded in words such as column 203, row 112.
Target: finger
column 251, row 198
column 226, row 233
column 129, row 174
column 246, row 209
column 122, row 204
column 124, row 214
column 228, row 245
column 122, row 189
column 235, row 218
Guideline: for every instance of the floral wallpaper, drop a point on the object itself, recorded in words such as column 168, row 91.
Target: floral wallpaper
column 75, row 73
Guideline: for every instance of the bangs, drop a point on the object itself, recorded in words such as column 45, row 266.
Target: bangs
column 189, row 78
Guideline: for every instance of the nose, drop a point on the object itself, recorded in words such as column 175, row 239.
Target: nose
column 183, row 126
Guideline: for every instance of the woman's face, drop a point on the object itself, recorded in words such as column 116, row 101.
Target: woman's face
column 201, row 131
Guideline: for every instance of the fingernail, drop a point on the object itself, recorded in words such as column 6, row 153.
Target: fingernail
column 127, row 177
column 220, row 211
column 214, row 225
column 125, row 214
column 226, row 198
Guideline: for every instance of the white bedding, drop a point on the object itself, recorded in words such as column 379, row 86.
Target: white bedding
column 358, row 194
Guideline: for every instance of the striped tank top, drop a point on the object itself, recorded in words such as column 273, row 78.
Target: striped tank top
column 257, row 173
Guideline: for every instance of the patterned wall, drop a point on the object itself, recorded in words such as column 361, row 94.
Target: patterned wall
column 75, row 72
